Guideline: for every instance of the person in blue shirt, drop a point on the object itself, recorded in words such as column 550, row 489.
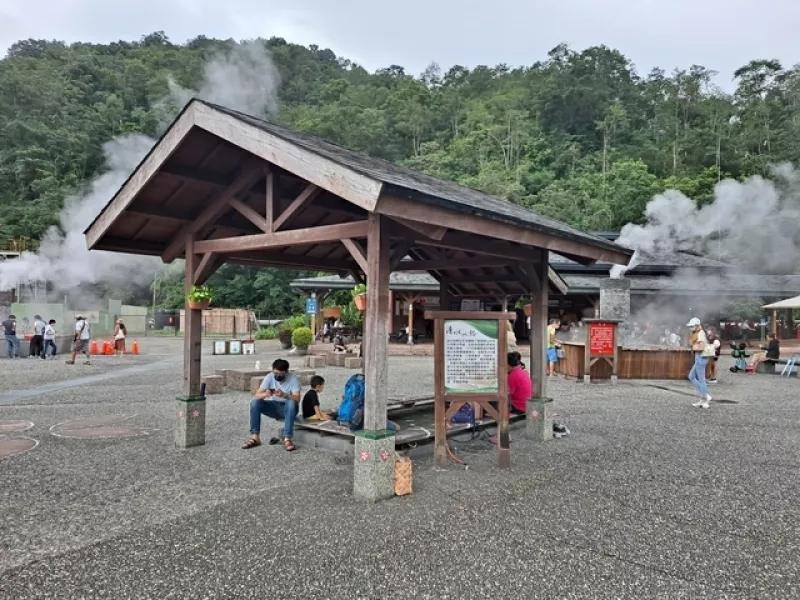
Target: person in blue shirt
column 278, row 397
column 10, row 330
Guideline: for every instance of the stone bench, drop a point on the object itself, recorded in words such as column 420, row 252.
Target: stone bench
column 305, row 375
column 240, row 379
column 316, row 361
column 224, row 374
column 337, row 359
column 772, row 366
column 353, row 362
column 214, row 383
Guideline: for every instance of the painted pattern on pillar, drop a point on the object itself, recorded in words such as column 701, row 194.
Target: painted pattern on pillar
column 364, row 455
column 384, row 455
column 535, row 415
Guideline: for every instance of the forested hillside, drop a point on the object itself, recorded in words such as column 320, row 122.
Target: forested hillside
column 579, row 135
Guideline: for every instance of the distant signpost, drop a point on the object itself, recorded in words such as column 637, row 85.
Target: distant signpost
column 601, row 344
column 311, row 306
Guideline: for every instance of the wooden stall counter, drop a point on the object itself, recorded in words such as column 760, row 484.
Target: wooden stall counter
column 646, row 362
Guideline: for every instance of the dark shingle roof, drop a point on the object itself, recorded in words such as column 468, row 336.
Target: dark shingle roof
column 718, row 285
column 644, row 261
column 425, row 188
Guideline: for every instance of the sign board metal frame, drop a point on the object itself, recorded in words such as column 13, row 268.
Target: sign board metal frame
column 447, row 404
column 600, row 347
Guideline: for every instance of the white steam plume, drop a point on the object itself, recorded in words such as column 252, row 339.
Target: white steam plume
column 244, row 79
column 63, row 258
column 750, row 224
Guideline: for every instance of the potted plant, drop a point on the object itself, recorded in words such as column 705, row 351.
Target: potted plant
column 200, row 297
column 302, row 338
column 332, row 312
column 525, row 304
column 360, row 296
column 286, row 328
column 285, row 337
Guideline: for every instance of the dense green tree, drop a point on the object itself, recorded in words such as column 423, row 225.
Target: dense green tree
column 579, row 135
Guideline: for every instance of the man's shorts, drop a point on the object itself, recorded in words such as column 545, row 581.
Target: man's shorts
column 552, row 355
column 80, row 345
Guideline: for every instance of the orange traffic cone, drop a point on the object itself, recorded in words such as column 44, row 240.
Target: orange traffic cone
column 93, row 348
column 135, row 347
column 108, row 348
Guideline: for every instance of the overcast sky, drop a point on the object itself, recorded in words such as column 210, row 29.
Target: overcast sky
column 719, row 34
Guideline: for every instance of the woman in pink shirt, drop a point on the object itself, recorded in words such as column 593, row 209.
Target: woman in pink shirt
column 520, row 388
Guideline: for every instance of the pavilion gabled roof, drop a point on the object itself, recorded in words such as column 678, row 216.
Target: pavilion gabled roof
column 215, row 171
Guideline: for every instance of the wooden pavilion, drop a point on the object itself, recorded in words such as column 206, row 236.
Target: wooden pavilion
column 222, row 186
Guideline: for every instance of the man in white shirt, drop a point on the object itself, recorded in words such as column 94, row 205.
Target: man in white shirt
column 50, row 338
column 80, row 345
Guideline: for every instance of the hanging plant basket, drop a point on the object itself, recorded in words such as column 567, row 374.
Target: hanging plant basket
column 203, row 305
column 200, row 297
column 332, row 312
column 360, row 301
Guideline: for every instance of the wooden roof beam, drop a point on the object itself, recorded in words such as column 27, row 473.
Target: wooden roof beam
column 141, row 176
column 249, row 174
column 470, row 244
column 430, row 231
column 296, row 207
column 356, row 252
column 340, row 180
column 282, row 239
column 251, row 215
column 444, row 264
column 395, row 207
column 207, row 267
column 280, row 260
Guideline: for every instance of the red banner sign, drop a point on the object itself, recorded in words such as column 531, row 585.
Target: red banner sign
column 601, row 339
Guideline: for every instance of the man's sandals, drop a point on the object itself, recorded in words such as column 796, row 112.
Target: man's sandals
column 288, row 445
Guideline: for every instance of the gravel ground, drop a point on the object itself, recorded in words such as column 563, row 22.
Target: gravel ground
column 648, row 498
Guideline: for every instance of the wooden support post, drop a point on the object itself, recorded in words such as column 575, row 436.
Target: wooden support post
column 193, row 328
column 320, row 304
column 270, row 199
column 774, row 325
column 444, row 295
column 503, row 452
column 411, row 300
column 440, row 408
column 376, row 329
column 538, row 336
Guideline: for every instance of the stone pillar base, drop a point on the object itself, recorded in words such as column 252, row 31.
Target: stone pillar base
column 539, row 423
column 373, row 470
column 190, row 424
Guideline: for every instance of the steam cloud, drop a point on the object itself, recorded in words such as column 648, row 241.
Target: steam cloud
column 244, row 79
column 750, row 224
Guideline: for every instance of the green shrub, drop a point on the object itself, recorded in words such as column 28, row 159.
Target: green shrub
column 293, row 323
column 359, row 289
column 266, row 334
column 351, row 316
column 302, row 337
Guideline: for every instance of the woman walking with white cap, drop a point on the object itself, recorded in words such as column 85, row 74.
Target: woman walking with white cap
column 702, row 352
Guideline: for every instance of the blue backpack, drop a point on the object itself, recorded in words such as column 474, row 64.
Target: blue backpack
column 465, row 414
column 351, row 410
